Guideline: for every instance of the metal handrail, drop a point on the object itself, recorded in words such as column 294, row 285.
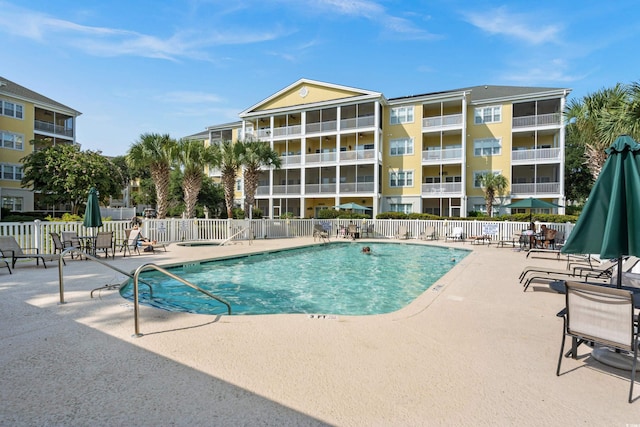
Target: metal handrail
column 238, row 233
column 93, row 258
column 136, row 304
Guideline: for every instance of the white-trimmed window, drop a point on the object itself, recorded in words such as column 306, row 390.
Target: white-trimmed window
column 11, row 140
column 11, row 109
column 401, row 147
column 484, row 115
column 487, row 147
column 238, row 185
column 11, row 172
column 12, row 203
column 401, row 115
column 401, row 179
column 406, row 208
column 479, row 174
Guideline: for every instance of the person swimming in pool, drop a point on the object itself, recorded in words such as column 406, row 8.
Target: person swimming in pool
column 366, row 250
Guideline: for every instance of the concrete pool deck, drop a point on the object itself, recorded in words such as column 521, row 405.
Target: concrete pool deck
column 472, row 350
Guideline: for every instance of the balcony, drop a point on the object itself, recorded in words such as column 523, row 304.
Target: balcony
column 321, row 158
column 433, row 124
column 357, row 122
column 355, row 155
column 519, row 190
column 320, row 188
column 291, row 160
column 287, row 189
column 52, row 128
column 540, row 120
column 442, row 189
column 329, row 126
column 356, row 187
column 449, row 155
column 536, row 155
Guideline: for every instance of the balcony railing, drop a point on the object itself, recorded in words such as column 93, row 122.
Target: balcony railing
column 442, row 122
column 436, row 156
column 357, row 122
column 552, row 119
column 52, row 128
column 528, row 156
column 356, row 187
column 354, row 155
column 535, row 188
column 319, row 188
column 329, row 126
column 287, row 189
column 292, row 160
column 321, row 158
column 442, row 189
column 294, row 130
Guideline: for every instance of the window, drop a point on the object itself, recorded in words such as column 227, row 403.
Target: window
column 480, row 174
column 11, row 172
column 401, row 207
column 12, row 203
column 400, row 147
column 401, row 115
column 487, row 147
column 238, row 185
column 401, row 179
column 10, row 109
column 11, row 140
column 484, row 115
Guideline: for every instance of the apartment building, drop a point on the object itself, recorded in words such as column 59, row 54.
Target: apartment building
column 420, row 153
column 28, row 121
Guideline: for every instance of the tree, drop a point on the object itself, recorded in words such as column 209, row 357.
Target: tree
column 192, row 156
column 595, row 117
column 227, row 157
column 492, row 185
column 577, row 176
column 64, row 174
column 255, row 155
column 157, row 153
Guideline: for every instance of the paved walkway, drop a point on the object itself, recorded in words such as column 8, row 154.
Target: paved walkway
column 472, row 350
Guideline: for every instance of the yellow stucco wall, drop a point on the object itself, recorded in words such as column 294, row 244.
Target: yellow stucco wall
column 22, row 126
column 315, row 93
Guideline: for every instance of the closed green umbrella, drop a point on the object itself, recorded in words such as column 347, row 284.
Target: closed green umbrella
column 532, row 203
column 609, row 224
column 92, row 216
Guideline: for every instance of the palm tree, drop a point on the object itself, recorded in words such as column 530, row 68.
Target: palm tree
column 192, row 156
column 156, row 153
column 492, row 185
column 596, row 119
column 255, row 155
column 227, row 157
column 624, row 117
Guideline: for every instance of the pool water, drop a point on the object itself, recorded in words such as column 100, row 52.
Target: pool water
column 329, row 279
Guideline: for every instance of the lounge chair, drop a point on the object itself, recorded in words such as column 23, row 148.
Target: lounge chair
column 10, row 249
column 501, row 242
column 489, row 233
column 319, row 232
column 600, row 315
column 6, row 264
column 429, row 233
column 352, row 231
column 456, row 234
column 402, row 232
column 572, row 269
column 596, row 276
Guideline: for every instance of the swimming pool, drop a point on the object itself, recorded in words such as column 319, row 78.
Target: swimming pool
column 330, row 279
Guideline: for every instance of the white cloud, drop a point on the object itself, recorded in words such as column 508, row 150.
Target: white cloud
column 529, row 28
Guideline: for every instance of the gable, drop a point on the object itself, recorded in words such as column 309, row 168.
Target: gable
column 305, row 92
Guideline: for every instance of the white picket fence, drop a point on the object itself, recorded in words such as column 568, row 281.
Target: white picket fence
column 37, row 234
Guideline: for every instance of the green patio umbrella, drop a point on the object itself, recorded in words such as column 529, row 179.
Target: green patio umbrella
column 92, row 216
column 353, row 206
column 532, row 203
column 609, row 224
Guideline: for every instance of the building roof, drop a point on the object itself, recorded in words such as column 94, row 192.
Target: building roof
column 15, row 90
column 483, row 93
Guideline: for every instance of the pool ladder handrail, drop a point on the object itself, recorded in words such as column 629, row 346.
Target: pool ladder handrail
column 251, row 236
column 93, row 258
column 150, row 265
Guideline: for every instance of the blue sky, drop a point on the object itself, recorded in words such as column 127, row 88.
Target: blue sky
column 177, row 66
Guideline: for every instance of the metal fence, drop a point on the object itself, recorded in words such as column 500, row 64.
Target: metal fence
column 37, row 234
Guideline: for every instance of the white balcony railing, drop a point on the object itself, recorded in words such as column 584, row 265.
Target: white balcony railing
column 329, row 126
column 357, row 122
column 442, row 122
column 293, row 160
column 442, row 189
column 287, row 189
column 436, row 156
column 319, row 188
column 356, row 187
column 535, row 188
column 52, row 128
column 354, row 155
column 321, row 158
column 552, row 119
column 528, row 156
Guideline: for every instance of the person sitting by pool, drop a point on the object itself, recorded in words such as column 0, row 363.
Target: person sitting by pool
column 143, row 241
column 366, row 250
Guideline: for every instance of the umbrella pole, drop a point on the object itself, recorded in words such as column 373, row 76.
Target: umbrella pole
column 619, row 279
